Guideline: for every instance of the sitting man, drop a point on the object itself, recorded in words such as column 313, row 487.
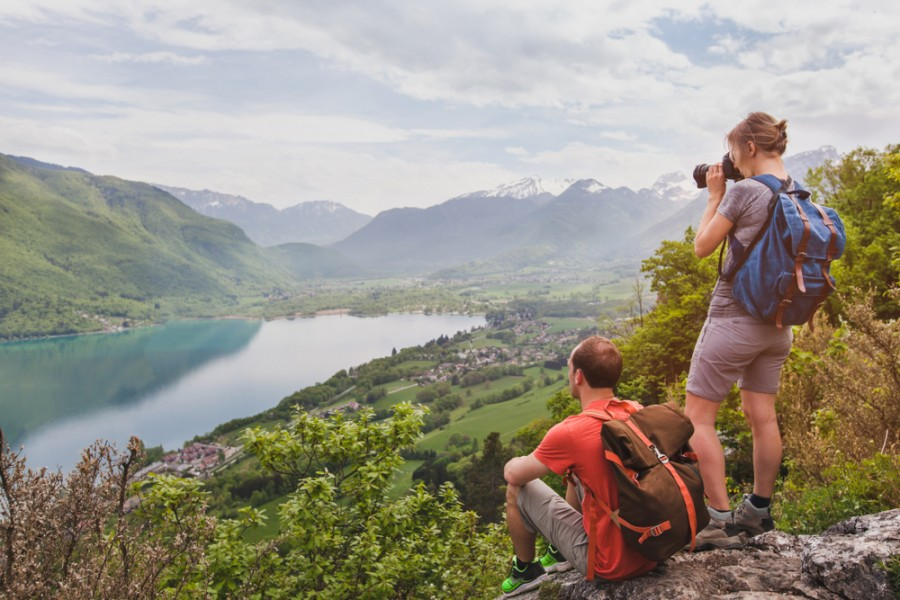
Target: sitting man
column 574, row 450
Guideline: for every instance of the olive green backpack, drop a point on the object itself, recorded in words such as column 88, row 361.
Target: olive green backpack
column 660, row 492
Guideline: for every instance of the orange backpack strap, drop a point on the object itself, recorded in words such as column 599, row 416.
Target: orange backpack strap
column 597, row 507
column 682, row 487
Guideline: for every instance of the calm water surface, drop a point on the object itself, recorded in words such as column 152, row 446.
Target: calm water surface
column 167, row 384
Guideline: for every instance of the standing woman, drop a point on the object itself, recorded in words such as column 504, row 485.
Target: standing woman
column 734, row 346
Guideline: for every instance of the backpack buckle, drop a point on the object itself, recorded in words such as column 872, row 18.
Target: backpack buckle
column 659, row 455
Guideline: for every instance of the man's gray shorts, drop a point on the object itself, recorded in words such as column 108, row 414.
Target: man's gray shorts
column 545, row 511
column 741, row 349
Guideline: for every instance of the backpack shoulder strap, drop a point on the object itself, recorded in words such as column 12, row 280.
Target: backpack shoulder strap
column 777, row 186
column 772, row 182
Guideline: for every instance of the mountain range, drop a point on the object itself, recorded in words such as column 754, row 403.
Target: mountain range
column 320, row 222
column 519, row 223
column 74, row 241
column 531, row 222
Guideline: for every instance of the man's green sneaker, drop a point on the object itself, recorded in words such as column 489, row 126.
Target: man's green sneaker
column 553, row 561
column 523, row 577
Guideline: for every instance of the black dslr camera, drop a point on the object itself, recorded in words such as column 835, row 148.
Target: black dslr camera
column 728, row 169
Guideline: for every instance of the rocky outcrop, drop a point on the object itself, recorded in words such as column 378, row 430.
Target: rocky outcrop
column 841, row 563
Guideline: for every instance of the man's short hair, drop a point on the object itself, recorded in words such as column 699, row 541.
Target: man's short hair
column 599, row 360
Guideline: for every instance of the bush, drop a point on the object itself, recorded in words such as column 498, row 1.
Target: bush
column 853, row 489
column 841, row 420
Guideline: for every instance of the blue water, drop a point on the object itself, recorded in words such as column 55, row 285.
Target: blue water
column 167, row 384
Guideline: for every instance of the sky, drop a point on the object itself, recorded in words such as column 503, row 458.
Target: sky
column 379, row 104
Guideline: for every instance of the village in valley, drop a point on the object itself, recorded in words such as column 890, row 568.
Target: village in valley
column 197, row 460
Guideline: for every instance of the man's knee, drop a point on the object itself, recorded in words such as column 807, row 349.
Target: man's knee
column 512, row 495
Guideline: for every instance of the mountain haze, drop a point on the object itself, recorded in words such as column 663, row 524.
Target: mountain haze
column 319, row 222
column 584, row 223
column 77, row 246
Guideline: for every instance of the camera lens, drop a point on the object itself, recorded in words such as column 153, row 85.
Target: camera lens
column 728, row 169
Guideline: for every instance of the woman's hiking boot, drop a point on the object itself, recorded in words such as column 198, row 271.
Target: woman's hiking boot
column 752, row 520
column 719, row 534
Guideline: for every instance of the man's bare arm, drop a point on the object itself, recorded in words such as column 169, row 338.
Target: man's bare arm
column 522, row 469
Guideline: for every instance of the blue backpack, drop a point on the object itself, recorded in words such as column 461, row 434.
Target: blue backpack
column 783, row 275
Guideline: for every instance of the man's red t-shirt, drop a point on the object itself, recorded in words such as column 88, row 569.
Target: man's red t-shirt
column 574, row 445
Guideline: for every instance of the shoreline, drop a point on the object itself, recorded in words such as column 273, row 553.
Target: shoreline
column 299, row 315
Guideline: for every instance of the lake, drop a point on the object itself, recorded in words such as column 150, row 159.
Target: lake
column 167, row 384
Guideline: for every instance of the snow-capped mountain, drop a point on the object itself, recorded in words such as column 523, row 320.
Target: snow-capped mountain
column 676, row 186
column 586, row 186
column 529, row 187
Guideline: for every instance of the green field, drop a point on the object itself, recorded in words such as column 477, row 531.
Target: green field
column 558, row 324
column 505, row 418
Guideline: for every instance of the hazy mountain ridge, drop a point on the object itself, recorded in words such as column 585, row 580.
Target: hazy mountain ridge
column 319, row 222
column 585, row 222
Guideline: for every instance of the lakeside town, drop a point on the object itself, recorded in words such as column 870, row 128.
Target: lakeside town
column 197, row 460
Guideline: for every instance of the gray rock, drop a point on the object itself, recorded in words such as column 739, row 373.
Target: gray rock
column 840, row 564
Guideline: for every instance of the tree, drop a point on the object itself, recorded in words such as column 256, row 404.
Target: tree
column 841, row 419
column 638, row 288
column 73, row 537
column 483, row 482
column 342, row 534
column 864, row 187
column 659, row 353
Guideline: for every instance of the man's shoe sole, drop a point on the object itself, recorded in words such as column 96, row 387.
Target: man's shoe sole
column 526, row 586
column 559, row 567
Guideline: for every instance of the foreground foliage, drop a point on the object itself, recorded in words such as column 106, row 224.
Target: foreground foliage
column 341, row 537
column 73, row 538
column 841, row 419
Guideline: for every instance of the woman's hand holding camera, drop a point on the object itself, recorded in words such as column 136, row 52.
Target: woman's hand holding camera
column 715, row 181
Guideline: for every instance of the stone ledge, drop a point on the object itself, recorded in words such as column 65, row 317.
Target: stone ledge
column 841, row 563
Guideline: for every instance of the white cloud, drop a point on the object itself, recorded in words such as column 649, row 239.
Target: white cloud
column 612, row 167
column 620, row 136
column 153, row 57
column 385, row 102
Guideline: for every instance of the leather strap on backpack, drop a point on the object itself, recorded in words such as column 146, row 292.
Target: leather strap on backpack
column 797, row 283
column 682, row 487
column 826, row 265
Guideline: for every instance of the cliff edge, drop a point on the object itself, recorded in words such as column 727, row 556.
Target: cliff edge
column 843, row 562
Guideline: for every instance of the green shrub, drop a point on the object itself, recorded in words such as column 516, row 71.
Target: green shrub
column 852, row 489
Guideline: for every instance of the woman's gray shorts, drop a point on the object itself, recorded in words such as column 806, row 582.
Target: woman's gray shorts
column 741, row 349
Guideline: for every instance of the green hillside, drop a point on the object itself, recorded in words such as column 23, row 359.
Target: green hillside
column 308, row 261
column 82, row 252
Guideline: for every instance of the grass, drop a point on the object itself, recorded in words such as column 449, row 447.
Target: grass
column 558, row 324
column 505, row 417
column 272, row 525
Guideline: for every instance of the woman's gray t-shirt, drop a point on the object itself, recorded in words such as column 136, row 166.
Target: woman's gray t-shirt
column 746, row 204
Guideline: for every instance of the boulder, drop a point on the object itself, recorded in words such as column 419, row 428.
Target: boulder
column 841, row 563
